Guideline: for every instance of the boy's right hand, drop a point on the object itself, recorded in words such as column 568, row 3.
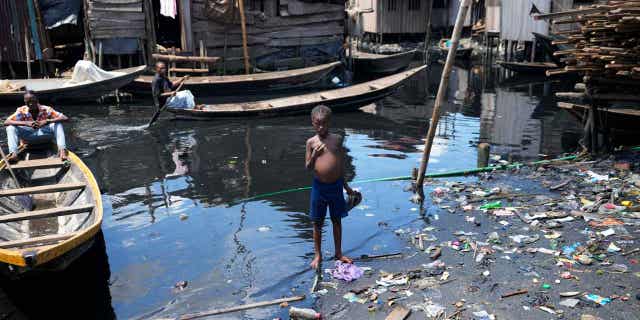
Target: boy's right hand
column 317, row 150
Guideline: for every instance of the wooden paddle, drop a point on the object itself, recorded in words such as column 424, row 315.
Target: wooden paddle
column 164, row 107
column 24, row 200
column 6, row 163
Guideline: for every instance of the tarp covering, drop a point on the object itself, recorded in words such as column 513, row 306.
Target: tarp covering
column 223, row 11
column 517, row 23
column 58, row 12
column 87, row 72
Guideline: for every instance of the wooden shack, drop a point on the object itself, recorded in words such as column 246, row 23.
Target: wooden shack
column 380, row 17
column 22, row 38
column 280, row 33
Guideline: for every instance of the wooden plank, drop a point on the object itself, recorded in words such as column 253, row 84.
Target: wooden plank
column 398, row 313
column 174, row 58
column 38, row 164
column 45, row 213
column 239, row 308
column 189, row 70
column 42, row 189
column 36, row 240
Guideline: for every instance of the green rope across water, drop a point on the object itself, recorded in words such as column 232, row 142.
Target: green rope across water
column 448, row 174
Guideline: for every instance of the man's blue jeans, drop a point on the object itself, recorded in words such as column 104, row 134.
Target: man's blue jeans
column 35, row 136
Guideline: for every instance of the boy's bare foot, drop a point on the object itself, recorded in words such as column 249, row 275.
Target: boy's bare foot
column 63, row 154
column 315, row 263
column 344, row 259
column 199, row 107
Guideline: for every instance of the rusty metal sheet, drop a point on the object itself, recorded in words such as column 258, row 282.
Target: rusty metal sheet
column 13, row 21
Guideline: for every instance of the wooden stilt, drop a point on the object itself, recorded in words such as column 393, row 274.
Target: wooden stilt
column 100, row 54
column 444, row 84
column 533, row 50
column 27, row 52
column 243, row 25
column 427, row 31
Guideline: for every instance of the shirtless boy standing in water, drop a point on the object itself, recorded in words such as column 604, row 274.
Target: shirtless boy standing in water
column 325, row 156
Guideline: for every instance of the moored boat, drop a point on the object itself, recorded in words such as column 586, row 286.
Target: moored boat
column 528, row 67
column 464, row 48
column 203, row 86
column 51, row 217
column 343, row 99
column 371, row 63
column 61, row 90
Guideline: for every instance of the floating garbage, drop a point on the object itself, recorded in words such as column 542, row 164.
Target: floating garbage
column 597, row 299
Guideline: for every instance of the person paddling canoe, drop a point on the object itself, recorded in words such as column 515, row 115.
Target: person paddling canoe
column 165, row 93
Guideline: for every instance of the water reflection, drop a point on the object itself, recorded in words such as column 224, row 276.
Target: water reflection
column 79, row 292
column 167, row 190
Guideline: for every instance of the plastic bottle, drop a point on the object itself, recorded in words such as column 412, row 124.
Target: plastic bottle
column 303, row 314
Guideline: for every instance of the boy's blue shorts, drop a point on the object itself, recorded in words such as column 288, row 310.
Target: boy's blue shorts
column 325, row 195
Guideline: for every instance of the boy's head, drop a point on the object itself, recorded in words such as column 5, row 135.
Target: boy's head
column 320, row 116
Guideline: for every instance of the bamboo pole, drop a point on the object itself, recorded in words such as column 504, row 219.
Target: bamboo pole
column 444, row 83
column 243, row 25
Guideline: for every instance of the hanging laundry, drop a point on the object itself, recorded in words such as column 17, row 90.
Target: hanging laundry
column 168, row 8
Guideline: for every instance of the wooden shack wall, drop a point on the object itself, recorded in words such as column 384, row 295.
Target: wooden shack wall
column 393, row 16
column 13, row 18
column 108, row 19
column 292, row 24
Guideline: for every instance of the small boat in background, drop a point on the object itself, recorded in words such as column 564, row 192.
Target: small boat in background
column 51, row 216
column 381, row 64
column 528, row 67
column 203, row 86
column 61, row 90
column 464, row 48
column 343, row 99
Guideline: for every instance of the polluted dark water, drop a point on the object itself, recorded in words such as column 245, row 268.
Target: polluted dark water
column 175, row 239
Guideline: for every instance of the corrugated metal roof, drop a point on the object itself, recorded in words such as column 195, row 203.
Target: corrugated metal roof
column 13, row 19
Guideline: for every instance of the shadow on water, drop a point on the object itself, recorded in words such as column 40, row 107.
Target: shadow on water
column 81, row 291
column 167, row 192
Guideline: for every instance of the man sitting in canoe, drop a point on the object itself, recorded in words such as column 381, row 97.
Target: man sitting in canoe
column 35, row 123
column 165, row 94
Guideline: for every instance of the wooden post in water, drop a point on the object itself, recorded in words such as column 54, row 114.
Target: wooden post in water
column 427, row 31
column 27, row 51
column 243, row 25
column 483, row 154
column 444, row 84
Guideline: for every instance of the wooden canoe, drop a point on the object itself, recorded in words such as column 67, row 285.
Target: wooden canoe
column 56, row 222
column 54, row 89
column 464, row 48
column 528, row 67
column 203, row 86
column 343, row 99
column 371, row 63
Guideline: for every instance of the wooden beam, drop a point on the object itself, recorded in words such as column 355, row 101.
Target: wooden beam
column 243, row 25
column 45, row 213
column 42, row 189
column 38, row 164
column 239, row 308
column 175, row 58
column 189, row 70
column 36, row 240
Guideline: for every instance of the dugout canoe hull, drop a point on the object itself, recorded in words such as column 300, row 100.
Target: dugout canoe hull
column 60, row 220
column 203, row 86
column 371, row 63
column 53, row 90
column 344, row 99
